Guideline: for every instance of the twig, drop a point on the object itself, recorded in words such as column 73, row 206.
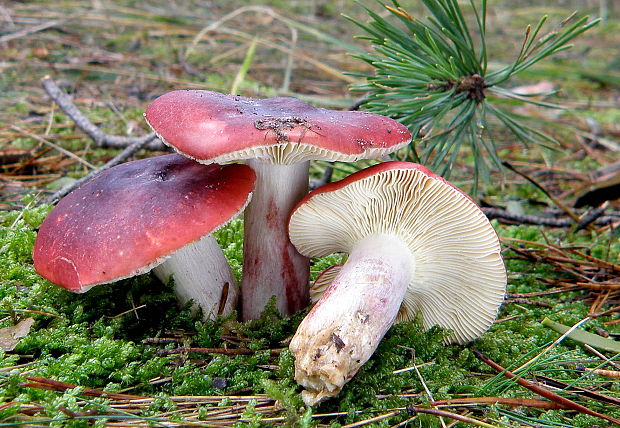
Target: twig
column 525, row 301
column 614, row 374
column 542, row 391
column 372, row 420
column 33, row 29
column 188, row 68
column 223, row 351
column 159, row 340
column 555, row 200
column 98, row 136
column 54, row 385
column 601, row 356
column 121, row 157
column 428, row 391
column 591, row 215
column 326, row 177
column 542, row 220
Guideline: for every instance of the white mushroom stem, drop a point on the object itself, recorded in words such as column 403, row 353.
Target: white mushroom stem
column 271, row 264
column 346, row 325
column 201, row 273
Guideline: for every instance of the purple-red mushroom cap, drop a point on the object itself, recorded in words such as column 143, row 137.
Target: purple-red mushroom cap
column 95, row 234
column 214, row 127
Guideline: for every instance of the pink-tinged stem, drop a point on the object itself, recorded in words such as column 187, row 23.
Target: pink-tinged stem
column 346, row 325
column 271, row 264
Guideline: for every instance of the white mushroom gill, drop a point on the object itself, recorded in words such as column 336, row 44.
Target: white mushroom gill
column 459, row 278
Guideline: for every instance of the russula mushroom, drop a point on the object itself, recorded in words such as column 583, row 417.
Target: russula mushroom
column 277, row 137
column 416, row 245
column 156, row 213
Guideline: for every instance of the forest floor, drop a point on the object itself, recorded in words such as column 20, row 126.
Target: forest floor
column 117, row 355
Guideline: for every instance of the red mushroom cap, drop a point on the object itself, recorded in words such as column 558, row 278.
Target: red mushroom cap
column 131, row 217
column 213, row 127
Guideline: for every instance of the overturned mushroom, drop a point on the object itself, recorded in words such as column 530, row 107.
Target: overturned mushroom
column 155, row 213
column 277, row 137
column 416, row 244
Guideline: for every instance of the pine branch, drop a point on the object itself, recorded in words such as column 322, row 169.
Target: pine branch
column 431, row 74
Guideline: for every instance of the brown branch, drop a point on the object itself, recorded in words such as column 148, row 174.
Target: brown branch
column 121, row 157
column 33, row 29
column 223, row 351
column 54, row 385
column 542, row 391
column 97, row 135
column 544, row 220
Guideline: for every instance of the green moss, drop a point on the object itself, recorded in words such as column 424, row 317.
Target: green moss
column 95, row 340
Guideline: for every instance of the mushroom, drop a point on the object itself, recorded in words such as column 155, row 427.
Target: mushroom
column 416, row 245
column 277, row 137
column 156, row 213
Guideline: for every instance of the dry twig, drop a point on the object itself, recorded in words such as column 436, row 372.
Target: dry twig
column 130, row 144
column 98, row 136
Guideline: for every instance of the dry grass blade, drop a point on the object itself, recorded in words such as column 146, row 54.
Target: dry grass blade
column 126, row 410
column 54, row 146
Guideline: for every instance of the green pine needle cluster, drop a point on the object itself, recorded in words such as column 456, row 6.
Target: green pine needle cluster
column 432, row 74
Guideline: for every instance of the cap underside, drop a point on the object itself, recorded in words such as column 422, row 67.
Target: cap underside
column 459, row 279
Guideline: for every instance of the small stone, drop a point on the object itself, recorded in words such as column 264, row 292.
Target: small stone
column 219, row 383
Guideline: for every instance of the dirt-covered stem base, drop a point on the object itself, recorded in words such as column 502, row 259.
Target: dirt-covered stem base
column 346, row 325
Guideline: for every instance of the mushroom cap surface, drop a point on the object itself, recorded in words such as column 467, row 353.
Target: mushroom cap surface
column 131, row 217
column 213, row 127
column 459, row 278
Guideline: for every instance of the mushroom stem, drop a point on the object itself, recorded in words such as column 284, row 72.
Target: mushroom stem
column 201, row 273
column 346, row 325
column 271, row 264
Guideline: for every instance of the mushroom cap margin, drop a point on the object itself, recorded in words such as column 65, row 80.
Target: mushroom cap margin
column 130, row 218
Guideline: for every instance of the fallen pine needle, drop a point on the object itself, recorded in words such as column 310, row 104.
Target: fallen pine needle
column 542, row 391
column 513, row 402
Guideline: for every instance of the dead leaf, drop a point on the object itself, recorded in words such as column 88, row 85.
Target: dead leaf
column 10, row 336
